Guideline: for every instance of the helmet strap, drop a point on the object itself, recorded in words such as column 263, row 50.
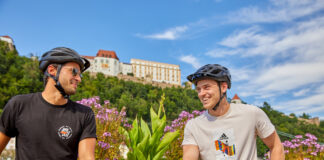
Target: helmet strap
column 58, row 84
column 220, row 99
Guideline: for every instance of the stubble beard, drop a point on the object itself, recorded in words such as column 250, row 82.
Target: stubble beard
column 69, row 87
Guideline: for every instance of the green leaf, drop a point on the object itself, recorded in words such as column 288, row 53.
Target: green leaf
column 159, row 155
column 131, row 156
column 125, row 133
column 143, row 145
column 156, row 136
column 161, row 108
column 167, row 139
column 134, row 133
column 145, row 128
column 139, row 154
column 154, row 120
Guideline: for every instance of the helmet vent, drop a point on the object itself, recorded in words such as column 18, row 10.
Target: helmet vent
column 59, row 54
column 215, row 71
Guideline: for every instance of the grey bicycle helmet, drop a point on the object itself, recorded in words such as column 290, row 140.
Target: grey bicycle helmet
column 214, row 71
column 61, row 55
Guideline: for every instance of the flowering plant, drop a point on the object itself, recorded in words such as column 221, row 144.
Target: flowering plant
column 146, row 143
column 175, row 149
column 108, row 122
column 301, row 148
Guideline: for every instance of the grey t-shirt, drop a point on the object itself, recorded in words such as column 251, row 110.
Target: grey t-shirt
column 230, row 136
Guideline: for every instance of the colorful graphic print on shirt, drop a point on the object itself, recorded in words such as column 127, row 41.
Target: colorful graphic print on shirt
column 224, row 141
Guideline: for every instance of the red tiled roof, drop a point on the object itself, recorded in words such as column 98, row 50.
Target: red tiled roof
column 88, row 57
column 107, row 54
column 7, row 37
column 236, row 97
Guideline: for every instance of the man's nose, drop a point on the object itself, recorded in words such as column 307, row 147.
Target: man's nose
column 78, row 77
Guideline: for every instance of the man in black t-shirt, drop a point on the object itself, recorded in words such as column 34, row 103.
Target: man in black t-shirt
column 48, row 125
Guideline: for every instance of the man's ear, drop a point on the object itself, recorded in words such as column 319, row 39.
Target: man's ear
column 51, row 70
column 224, row 87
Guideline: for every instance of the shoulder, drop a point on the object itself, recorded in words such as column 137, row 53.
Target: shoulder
column 244, row 107
column 197, row 120
column 81, row 108
column 22, row 99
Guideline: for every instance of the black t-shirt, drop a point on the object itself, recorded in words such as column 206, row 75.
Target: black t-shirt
column 45, row 131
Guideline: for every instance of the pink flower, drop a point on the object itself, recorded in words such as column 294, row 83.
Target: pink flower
column 299, row 136
column 107, row 134
column 314, row 153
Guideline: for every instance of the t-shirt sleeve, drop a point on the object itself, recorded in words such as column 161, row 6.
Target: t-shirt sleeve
column 8, row 119
column 263, row 124
column 188, row 137
column 89, row 130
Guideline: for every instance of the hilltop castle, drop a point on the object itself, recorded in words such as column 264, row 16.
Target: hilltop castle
column 107, row 62
column 9, row 41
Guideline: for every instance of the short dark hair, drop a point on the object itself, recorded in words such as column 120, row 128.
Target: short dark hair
column 45, row 77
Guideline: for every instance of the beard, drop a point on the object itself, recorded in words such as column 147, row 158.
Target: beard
column 68, row 87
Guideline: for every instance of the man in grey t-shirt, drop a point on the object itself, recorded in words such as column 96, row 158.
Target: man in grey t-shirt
column 225, row 131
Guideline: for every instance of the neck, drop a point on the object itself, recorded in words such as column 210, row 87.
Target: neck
column 221, row 110
column 52, row 95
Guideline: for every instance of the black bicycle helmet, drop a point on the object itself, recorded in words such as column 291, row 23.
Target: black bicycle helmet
column 214, row 71
column 61, row 55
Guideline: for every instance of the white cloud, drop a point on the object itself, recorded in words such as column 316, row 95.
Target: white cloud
column 304, row 38
column 320, row 89
column 282, row 79
column 278, row 11
column 289, row 76
column 169, row 34
column 218, row 52
column 310, row 104
column 301, row 92
column 191, row 60
column 240, row 74
column 247, row 37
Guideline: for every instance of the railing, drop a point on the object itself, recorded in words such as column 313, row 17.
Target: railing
column 292, row 136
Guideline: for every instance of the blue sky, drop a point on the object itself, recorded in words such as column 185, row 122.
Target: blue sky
column 273, row 48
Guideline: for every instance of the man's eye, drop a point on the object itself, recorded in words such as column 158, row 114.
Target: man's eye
column 75, row 72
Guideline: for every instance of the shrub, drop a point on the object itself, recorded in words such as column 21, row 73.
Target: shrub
column 302, row 148
column 108, row 121
column 175, row 149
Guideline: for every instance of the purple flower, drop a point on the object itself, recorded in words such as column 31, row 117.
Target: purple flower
column 167, row 128
column 109, row 111
column 106, row 102
column 107, row 134
column 299, row 136
column 314, row 153
column 123, row 113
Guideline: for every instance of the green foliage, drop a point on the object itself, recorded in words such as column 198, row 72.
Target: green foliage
column 322, row 124
column 146, row 143
column 136, row 97
column 305, row 116
column 18, row 75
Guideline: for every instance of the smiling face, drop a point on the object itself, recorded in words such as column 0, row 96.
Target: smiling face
column 208, row 92
column 70, row 77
